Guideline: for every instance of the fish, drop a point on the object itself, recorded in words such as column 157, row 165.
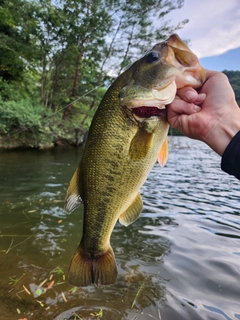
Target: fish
column 128, row 134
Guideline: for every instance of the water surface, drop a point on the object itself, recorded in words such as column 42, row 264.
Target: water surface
column 180, row 260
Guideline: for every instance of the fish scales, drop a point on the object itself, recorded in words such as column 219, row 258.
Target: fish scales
column 126, row 134
column 111, row 168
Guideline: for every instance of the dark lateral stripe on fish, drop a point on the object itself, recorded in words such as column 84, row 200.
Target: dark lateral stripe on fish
column 147, row 112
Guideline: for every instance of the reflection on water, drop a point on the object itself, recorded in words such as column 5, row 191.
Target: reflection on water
column 180, row 260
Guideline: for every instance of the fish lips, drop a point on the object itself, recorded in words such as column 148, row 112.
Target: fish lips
column 145, row 112
column 145, row 103
column 145, row 109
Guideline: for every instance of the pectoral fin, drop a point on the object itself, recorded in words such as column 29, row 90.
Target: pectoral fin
column 140, row 144
column 163, row 154
column 73, row 198
column 132, row 212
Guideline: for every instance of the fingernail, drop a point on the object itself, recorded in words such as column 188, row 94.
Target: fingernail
column 190, row 95
column 197, row 108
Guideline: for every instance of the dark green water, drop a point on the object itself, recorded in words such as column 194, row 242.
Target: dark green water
column 180, row 260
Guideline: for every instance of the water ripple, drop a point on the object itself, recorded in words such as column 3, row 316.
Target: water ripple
column 179, row 260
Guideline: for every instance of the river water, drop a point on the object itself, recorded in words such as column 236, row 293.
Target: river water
column 180, row 260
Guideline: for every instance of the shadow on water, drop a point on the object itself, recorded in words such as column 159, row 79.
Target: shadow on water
column 180, row 260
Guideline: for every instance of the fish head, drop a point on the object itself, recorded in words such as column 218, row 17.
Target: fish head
column 168, row 66
column 191, row 73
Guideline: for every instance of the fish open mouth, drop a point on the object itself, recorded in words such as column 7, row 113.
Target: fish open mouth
column 147, row 112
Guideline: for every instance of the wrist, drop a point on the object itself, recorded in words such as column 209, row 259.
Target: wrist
column 223, row 131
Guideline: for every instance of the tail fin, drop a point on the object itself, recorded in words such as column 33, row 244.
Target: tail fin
column 84, row 271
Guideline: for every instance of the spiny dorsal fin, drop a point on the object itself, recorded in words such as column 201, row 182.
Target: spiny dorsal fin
column 140, row 144
column 73, row 199
column 132, row 212
column 163, row 154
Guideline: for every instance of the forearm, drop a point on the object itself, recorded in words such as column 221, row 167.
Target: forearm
column 223, row 130
column 211, row 115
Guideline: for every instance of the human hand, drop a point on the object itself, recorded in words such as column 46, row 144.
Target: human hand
column 210, row 115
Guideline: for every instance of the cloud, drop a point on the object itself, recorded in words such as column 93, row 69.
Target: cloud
column 213, row 26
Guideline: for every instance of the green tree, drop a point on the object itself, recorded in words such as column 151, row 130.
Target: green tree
column 138, row 25
column 67, row 48
column 135, row 27
column 14, row 42
column 234, row 79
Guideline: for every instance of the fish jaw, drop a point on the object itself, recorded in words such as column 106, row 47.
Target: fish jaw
column 145, row 103
column 168, row 66
column 135, row 96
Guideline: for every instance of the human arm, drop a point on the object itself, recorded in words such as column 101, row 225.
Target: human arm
column 210, row 115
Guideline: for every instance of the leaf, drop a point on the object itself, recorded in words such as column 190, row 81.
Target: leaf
column 39, row 291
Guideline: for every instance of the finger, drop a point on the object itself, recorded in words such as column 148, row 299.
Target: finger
column 188, row 94
column 178, row 112
column 201, row 97
column 178, row 107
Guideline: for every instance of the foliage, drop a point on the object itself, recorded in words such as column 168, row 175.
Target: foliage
column 234, row 79
column 49, row 65
column 16, row 108
column 19, row 114
column 35, row 126
column 17, row 52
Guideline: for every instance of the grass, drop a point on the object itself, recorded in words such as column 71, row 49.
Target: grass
column 11, row 244
column 57, row 270
column 76, row 316
column 13, row 280
column 47, row 284
column 138, row 293
column 99, row 314
column 39, row 294
column 159, row 316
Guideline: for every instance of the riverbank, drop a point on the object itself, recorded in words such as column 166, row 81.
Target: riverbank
column 31, row 140
column 23, row 141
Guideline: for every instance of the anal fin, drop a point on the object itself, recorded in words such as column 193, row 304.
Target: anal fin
column 133, row 211
column 73, row 198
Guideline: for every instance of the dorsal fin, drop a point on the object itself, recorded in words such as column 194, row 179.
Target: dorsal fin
column 73, row 198
column 163, row 154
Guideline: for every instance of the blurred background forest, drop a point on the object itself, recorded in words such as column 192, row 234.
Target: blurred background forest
column 57, row 58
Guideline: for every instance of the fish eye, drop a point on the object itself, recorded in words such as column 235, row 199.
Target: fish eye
column 152, row 56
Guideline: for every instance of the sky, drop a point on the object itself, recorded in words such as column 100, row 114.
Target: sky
column 213, row 30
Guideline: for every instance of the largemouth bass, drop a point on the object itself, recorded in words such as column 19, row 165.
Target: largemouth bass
column 127, row 134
